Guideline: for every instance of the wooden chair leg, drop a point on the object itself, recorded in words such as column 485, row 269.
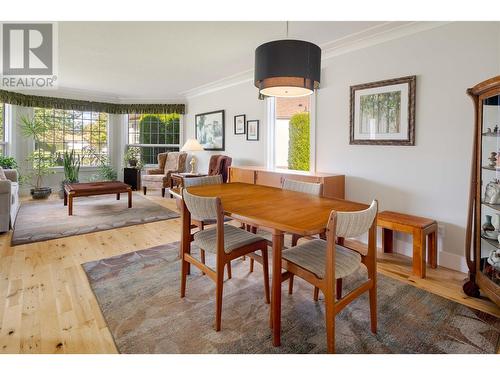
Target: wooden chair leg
column 144, row 189
column 316, row 293
column 339, row 289
column 265, row 271
column 202, row 256
column 219, row 284
column 295, row 239
column 184, row 269
column 373, row 308
column 229, row 272
column 290, row 284
column 330, row 322
column 251, row 264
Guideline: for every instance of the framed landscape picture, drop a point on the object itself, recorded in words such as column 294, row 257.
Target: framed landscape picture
column 383, row 113
column 209, row 130
column 239, row 124
column 252, row 130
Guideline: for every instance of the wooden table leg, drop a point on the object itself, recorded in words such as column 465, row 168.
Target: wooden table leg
column 65, row 198
column 70, row 204
column 419, row 252
column 387, row 240
column 117, row 196
column 276, row 288
column 129, row 199
column 433, row 249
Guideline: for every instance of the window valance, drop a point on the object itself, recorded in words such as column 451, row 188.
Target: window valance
column 15, row 98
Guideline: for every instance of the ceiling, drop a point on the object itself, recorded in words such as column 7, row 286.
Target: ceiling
column 159, row 61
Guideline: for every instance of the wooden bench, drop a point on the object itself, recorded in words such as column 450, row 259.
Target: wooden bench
column 420, row 228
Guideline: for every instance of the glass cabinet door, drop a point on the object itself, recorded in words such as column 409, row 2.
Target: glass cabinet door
column 489, row 252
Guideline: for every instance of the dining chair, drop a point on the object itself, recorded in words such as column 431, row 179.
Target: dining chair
column 200, row 224
column 225, row 241
column 321, row 262
column 301, row 187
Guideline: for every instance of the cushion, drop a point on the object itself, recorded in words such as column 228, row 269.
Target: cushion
column 171, row 164
column 234, row 238
column 311, row 256
column 2, row 175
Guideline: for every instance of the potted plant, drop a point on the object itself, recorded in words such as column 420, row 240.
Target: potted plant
column 7, row 162
column 132, row 157
column 40, row 161
column 71, row 164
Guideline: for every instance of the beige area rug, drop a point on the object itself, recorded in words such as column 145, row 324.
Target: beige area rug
column 47, row 220
column 139, row 297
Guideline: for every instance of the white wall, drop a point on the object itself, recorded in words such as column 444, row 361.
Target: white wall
column 236, row 100
column 429, row 179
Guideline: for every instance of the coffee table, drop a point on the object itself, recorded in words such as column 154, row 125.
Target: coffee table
column 86, row 189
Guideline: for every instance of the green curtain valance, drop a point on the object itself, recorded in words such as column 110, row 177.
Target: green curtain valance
column 83, row 105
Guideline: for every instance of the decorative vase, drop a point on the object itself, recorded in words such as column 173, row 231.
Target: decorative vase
column 488, row 226
column 495, row 220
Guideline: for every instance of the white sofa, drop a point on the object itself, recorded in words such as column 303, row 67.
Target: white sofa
column 9, row 200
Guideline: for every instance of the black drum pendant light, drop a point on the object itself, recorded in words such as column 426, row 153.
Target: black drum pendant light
column 287, row 68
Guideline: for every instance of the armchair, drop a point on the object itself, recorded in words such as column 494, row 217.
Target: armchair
column 168, row 163
column 9, row 200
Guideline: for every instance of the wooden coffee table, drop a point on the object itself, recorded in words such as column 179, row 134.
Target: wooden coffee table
column 86, row 189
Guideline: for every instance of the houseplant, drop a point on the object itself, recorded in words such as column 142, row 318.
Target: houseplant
column 71, row 164
column 7, row 162
column 40, row 161
column 132, row 157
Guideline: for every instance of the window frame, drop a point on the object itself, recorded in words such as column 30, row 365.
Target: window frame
column 108, row 139
column 151, row 145
column 270, row 103
column 3, row 123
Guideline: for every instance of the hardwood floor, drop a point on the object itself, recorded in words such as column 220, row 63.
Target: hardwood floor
column 47, row 306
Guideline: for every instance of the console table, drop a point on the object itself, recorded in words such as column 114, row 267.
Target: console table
column 333, row 184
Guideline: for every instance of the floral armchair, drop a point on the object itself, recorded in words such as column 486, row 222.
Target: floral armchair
column 159, row 178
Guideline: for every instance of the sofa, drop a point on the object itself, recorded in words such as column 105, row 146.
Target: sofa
column 159, row 178
column 9, row 200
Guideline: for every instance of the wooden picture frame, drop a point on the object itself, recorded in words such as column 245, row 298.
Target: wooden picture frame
column 210, row 130
column 240, row 124
column 253, row 130
column 383, row 112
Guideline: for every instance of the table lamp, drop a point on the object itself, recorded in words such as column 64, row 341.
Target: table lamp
column 192, row 145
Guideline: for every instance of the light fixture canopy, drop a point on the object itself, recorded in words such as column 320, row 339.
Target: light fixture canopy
column 287, row 68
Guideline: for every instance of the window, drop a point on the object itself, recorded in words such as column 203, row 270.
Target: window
column 84, row 132
column 290, row 120
column 153, row 134
column 2, row 129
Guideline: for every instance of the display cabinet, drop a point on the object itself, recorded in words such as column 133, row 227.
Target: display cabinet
column 483, row 223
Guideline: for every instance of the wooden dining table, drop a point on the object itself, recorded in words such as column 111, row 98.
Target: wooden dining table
column 275, row 210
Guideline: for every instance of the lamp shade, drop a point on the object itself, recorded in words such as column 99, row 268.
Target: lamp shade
column 192, row 145
column 287, row 68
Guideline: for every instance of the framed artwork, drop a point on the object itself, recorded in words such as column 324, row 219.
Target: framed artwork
column 239, row 124
column 383, row 113
column 252, row 130
column 209, row 130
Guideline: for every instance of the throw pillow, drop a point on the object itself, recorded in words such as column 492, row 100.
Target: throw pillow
column 2, row 175
column 171, row 162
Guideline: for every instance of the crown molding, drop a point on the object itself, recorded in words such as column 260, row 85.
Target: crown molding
column 366, row 38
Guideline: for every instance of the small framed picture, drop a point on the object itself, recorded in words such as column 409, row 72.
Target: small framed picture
column 252, row 130
column 239, row 124
column 383, row 112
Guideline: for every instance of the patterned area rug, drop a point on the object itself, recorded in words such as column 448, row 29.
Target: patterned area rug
column 47, row 220
column 139, row 296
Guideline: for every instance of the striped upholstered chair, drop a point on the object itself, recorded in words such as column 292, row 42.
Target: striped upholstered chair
column 225, row 241
column 196, row 222
column 301, row 187
column 321, row 262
